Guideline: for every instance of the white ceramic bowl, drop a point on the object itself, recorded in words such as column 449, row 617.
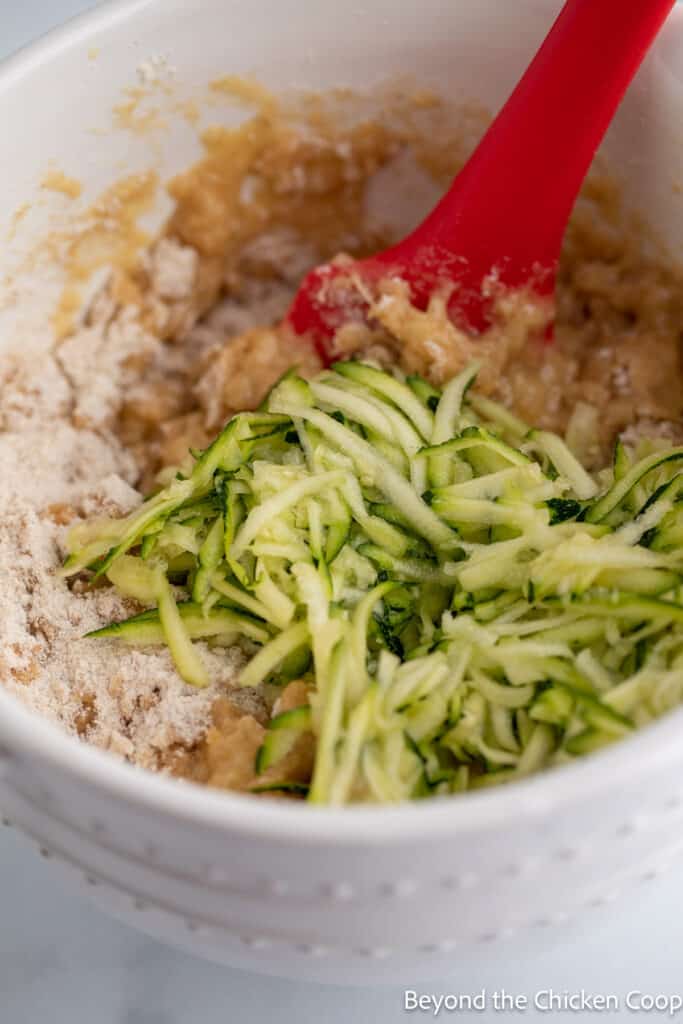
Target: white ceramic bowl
column 360, row 894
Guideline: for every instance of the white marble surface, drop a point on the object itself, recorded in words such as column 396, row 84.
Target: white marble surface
column 62, row 962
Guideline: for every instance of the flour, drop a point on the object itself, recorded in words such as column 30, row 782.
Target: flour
column 156, row 69
column 172, row 269
column 93, row 361
column 60, row 461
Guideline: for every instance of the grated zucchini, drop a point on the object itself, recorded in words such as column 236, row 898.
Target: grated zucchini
column 466, row 602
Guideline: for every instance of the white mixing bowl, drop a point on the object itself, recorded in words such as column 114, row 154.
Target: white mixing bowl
column 365, row 893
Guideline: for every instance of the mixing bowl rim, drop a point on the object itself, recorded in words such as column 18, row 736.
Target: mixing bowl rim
column 649, row 753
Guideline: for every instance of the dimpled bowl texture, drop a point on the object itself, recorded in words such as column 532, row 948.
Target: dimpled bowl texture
column 368, row 893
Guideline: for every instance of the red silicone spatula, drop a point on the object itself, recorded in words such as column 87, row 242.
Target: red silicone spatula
column 507, row 210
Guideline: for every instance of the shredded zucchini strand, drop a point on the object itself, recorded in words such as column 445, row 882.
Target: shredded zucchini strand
column 467, row 602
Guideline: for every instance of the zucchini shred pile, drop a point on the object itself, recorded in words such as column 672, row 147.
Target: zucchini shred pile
column 466, row 601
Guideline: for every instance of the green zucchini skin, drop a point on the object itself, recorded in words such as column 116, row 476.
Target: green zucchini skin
column 283, row 732
column 290, row 788
column 622, row 487
column 146, row 628
column 466, row 602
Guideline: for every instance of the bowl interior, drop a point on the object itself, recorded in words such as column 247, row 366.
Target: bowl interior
column 465, row 49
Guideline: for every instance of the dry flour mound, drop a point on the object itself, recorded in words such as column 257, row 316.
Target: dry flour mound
column 60, row 460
